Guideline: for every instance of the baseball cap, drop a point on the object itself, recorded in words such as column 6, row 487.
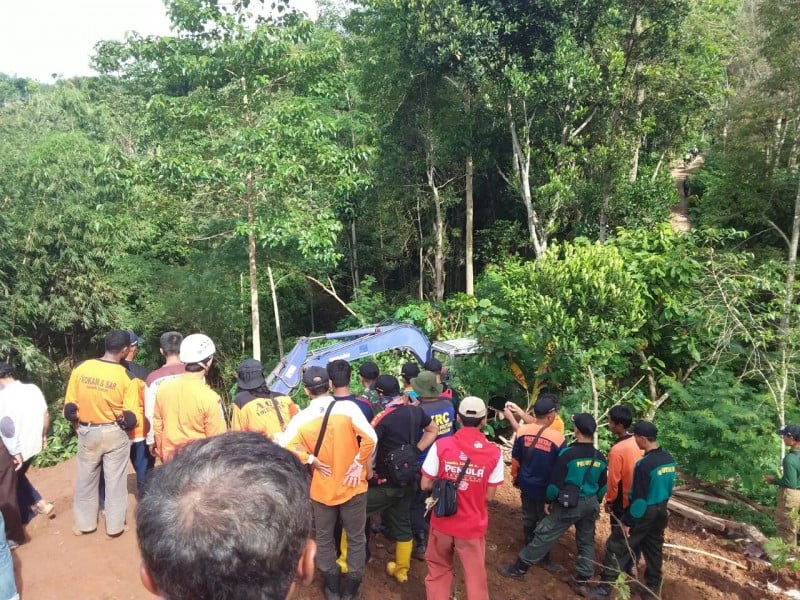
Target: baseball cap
column 545, row 404
column 433, row 364
column 790, row 430
column 369, row 370
column 135, row 340
column 387, row 385
column 585, row 423
column 410, row 370
column 472, row 407
column 250, row 375
column 645, row 429
column 315, row 377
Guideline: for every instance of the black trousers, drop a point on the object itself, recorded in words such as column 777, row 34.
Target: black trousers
column 646, row 537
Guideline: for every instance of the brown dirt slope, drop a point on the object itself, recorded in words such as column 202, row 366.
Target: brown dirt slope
column 55, row 564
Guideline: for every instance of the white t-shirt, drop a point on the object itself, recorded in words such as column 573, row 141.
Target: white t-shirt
column 24, row 403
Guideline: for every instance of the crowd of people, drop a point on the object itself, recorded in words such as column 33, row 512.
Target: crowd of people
column 223, row 516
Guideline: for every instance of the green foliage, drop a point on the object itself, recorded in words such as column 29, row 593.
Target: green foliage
column 62, row 444
column 781, row 555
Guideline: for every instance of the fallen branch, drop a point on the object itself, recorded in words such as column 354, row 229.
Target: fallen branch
column 724, row 492
column 704, row 553
column 332, row 292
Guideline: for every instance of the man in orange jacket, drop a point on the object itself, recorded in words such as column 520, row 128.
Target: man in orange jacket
column 622, row 459
column 186, row 407
column 326, row 435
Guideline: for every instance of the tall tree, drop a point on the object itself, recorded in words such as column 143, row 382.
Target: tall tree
column 247, row 125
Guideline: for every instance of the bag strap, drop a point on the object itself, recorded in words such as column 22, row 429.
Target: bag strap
column 277, row 408
column 529, row 451
column 461, row 474
column 323, row 428
column 413, row 425
column 587, row 471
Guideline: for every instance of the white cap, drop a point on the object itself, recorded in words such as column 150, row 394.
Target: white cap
column 472, row 406
column 196, row 348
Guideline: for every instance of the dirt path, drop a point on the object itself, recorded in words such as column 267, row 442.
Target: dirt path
column 55, row 564
column 679, row 212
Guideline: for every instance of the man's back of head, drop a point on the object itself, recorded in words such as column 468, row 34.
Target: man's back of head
column 339, row 372
column 170, row 343
column 227, row 519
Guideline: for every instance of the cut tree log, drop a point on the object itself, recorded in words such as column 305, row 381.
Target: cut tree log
column 732, row 529
column 698, row 497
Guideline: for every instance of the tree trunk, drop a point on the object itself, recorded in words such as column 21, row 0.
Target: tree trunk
column 522, row 165
column 438, row 231
column 605, row 207
column 421, row 254
column 786, row 317
column 354, row 254
column 640, row 96
column 469, row 227
column 277, row 314
column 251, row 256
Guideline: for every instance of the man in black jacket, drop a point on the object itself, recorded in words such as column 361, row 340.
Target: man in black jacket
column 645, row 521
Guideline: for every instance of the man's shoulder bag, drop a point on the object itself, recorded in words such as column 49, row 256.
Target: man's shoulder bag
column 445, row 493
column 402, row 464
column 569, row 495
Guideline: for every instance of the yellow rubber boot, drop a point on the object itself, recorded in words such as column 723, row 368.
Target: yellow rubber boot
column 402, row 561
column 342, row 560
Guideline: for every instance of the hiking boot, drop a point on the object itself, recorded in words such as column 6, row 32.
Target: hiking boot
column 420, row 546
column 602, row 590
column 331, row 584
column 351, row 584
column 518, row 570
column 551, row 566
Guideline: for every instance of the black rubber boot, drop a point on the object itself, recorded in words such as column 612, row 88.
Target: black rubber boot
column 331, row 589
column 518, row 570
column 420, row 546
column 351, row 584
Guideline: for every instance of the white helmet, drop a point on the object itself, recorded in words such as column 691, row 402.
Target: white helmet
column 196, row 348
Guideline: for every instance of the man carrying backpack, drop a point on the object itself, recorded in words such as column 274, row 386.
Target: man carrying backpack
column 474, row 467
column 397, row 469
column 576, row 487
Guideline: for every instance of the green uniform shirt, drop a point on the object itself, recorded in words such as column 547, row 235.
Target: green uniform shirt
column 791, row 470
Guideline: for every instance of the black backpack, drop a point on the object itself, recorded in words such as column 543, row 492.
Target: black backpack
column 402, row 464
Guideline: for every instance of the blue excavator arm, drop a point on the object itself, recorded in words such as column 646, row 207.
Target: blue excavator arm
column 354, row 344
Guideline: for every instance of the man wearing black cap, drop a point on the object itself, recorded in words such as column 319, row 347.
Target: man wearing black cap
column 645, row 520
column 335, row 438
column 255, row 407
column 141, row 458
column 788, row 486
column 398, row 426
column 576, row 488
column 533, row 458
